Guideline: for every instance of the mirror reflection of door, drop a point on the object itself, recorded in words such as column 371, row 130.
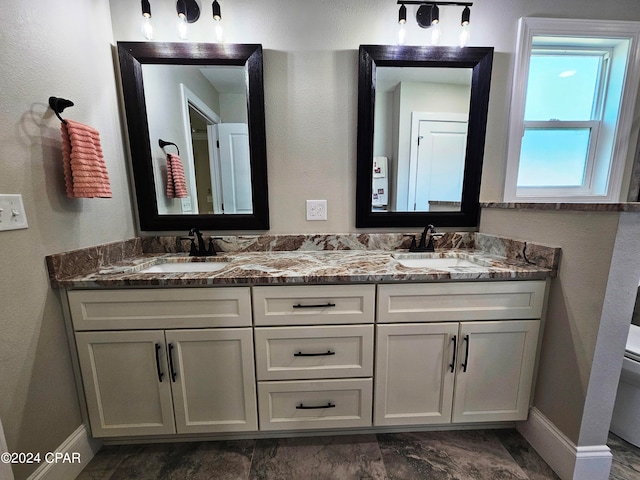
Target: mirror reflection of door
column 202, row 153
column 235, row 167
column 436, row 170
column 430, row 177
column 222, row 165
column 185, row 104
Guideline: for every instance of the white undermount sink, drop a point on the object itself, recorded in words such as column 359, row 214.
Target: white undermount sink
column 418, row 260
column 184, row 267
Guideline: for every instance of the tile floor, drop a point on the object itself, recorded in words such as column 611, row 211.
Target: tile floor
column 464, row 455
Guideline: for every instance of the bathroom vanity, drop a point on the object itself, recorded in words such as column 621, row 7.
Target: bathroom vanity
column 303, row 341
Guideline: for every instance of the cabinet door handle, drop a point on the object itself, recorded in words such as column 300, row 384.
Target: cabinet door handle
column 466, row 354
column 160, row 374
column 172, row 371
column 453, row 360
column 300, row 354
column 328, row 304
column 314, row 407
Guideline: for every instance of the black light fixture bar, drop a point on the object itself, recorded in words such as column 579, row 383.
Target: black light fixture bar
column 440, row 4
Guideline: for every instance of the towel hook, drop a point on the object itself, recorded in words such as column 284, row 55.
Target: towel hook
column 58, row 105
column 163, row 144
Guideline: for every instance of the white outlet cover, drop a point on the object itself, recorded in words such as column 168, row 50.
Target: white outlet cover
column 316, row 210
column 12, row 213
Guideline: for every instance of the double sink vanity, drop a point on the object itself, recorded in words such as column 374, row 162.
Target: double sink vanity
column 299, row 334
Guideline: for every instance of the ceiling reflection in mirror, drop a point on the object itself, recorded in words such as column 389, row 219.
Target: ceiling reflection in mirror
column 203, row 111
column 420, row 137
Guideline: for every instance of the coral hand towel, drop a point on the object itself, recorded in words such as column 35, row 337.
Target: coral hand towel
column 85, row 173
column 176, row 183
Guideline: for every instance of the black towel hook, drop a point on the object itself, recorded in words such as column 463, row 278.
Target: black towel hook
column 163, row 144
column 58, row 105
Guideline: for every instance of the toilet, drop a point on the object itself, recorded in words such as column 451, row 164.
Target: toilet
column 626, row 413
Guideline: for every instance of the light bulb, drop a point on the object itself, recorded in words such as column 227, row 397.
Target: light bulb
column 219, row 32
column 182, row 27
column 402, row 33
column 435, row 34
column 465, row 35
column 147, row 27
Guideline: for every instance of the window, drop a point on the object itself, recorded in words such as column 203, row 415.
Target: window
column 572, row 104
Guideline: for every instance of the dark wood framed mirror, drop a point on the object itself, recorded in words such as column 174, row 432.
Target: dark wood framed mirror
column 373, row 210
column 242, row 62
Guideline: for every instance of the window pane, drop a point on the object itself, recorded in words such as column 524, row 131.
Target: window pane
column 553, row 158
column 562, row 87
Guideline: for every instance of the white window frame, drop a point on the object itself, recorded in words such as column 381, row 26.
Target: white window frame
column 602, row 182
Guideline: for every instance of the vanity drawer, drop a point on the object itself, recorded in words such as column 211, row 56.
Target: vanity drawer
column 315, row 404
column 313, row 304
column 160, row 308
column 437, row 302
column 286, row 353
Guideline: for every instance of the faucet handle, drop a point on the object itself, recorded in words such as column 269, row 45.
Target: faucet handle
column 193, row 251
column 211, row 251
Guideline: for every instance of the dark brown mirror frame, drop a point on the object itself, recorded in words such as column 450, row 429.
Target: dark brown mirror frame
column 480, row 60
column 132, row 55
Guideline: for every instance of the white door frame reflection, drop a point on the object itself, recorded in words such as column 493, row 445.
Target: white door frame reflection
column 403, row 94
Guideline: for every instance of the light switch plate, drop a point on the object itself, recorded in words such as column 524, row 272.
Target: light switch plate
column 316, row 209
column 12, row 214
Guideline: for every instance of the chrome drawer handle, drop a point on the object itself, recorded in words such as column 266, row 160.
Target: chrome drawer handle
column 328, row 304
column 300, row 354
column 304, row 407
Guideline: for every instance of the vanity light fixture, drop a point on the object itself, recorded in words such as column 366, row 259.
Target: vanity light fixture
column 147, row 27
column 188, row 12
column 428, row 16
column 402, row 20
column 465, row 33
column 215, row 6
column 217, row 16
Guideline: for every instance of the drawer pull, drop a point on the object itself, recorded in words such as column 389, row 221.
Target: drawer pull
column 160, row 374
column 173, row 372
column 300, row 354
column 453, row 360
column 328, row 304
column 316, row 407
column 466, row 354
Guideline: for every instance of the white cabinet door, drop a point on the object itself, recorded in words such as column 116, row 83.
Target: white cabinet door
column 414, row 373
column 495, row 369
column 213, row 380
column 126, row 382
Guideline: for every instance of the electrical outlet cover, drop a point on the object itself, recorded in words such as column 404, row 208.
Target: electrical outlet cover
column 316, row 210
column 12, row 214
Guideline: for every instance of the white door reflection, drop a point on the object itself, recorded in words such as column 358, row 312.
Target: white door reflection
column 436, row 168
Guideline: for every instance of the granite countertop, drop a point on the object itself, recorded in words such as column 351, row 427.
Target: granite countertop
column 492, row 257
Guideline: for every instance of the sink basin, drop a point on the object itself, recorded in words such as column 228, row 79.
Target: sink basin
column 186, row 267
column 430, row 261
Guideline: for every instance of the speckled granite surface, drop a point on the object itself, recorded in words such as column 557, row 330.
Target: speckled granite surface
column 298, row 259
column 578, row 207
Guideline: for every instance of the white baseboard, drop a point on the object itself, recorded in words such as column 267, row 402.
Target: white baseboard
column 79, row 442
column 569, row 461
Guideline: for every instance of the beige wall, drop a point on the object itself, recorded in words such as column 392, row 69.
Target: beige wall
column 310, row 73
column 589, row 311
column 60, row 48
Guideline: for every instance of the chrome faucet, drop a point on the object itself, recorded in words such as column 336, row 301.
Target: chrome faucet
column 200, row 250
column 426, row 242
